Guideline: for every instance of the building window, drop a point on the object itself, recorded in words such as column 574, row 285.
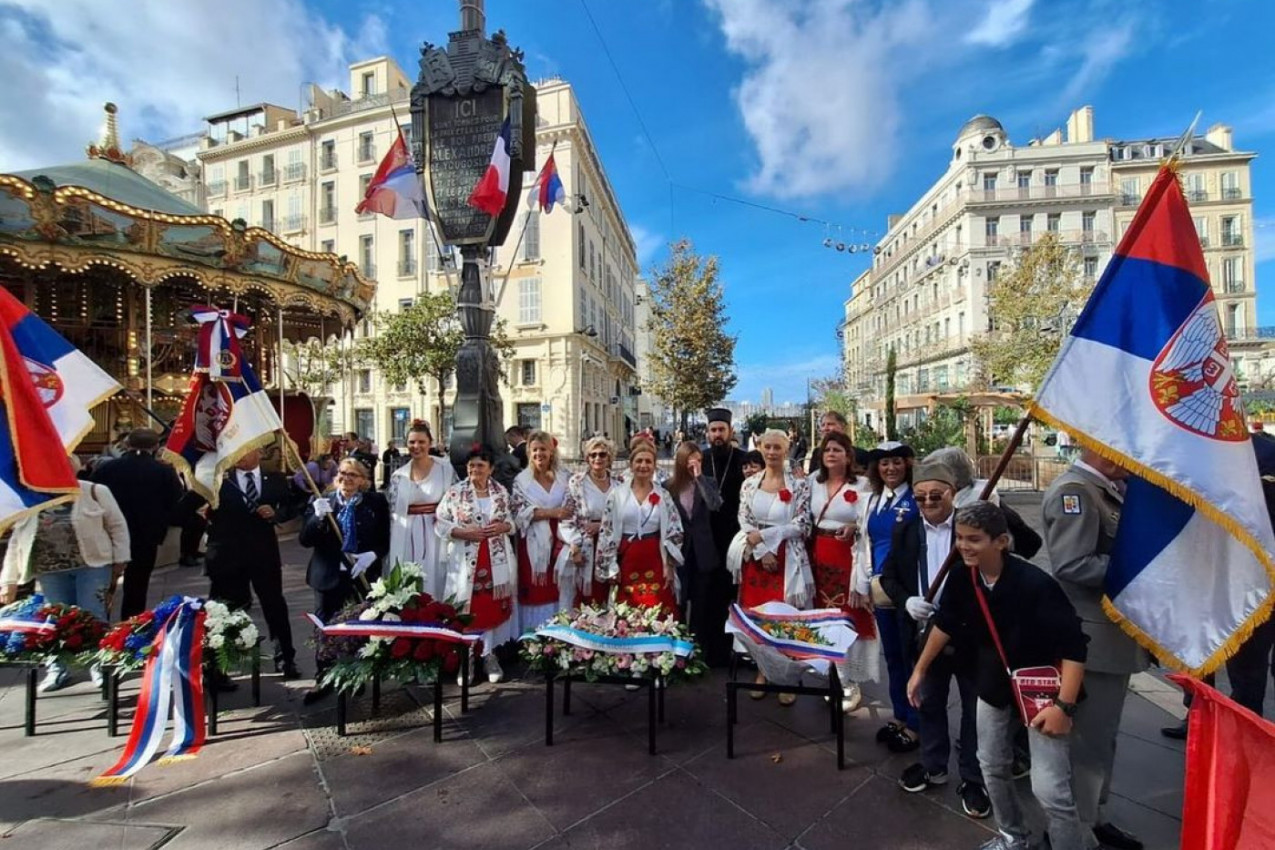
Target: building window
column 1086, row 180
column 1130, row 192
column 1024, row 179
column 295, row 169
column 368, row 87
column 327, row 202
column 367, row 148
column 1054, row 223
column 1231, row 234
column 327, row 155
column 593, row 264
column 406, row 253
column 993, row 272
column 328, row 246
column 580, row 230
column 367, row 256
column 1202, row 228
column 267, row 215
column 1232, row 280
column 1087, row 220
column 243, row 181
column 1051, row 182
column 992, row 230
column 529, row 301
column 399, row 419
column 1025, row 228
column 1230, row 186
column 364, row 181
column 529, row 415
column 531, row 237
column 528, row 373
column 1091, row 267
column 365, row 381
column 365, row 423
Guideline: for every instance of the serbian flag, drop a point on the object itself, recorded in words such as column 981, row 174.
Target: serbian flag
column 395, row 190
column 1229, row 792
column 221, row 420
column 67, row 382
column 1145, row 379
column 550, row 186
column 489, row 195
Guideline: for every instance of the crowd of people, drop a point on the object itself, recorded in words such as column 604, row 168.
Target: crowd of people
column 931, row 571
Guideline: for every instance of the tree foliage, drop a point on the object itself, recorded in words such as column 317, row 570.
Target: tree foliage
column 831, row 393
column 891, row 367
column 693, row 358
column 421, row 341
column 318, row 364
column 944, row 427
column 1032, row 307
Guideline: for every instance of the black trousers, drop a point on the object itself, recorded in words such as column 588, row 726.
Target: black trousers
column 236, row 586
column 137, row 579
column 712, row 595
column 191, row 523
column 327, row 604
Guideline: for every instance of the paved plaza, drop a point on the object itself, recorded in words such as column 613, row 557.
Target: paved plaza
column 278, row 776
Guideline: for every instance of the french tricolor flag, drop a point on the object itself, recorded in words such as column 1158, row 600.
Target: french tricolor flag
column 493, row 187
column 395, row 190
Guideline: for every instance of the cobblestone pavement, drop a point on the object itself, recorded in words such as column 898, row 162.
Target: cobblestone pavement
column 278, row 776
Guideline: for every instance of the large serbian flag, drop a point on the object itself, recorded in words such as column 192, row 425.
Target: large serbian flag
column 1145, row 378
column 34, row 470
column 549, row 186
column 493, row 187
column 395, row 189
column 223, row 418
column 68, row 383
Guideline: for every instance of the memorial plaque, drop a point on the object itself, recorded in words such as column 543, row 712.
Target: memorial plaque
column 460, row 138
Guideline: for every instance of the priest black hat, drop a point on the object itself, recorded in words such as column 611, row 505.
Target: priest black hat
column 718, row 414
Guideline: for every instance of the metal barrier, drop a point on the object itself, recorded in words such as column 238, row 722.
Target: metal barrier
column 1024, row 472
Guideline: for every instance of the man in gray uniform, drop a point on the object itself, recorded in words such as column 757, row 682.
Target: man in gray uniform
column 1081, row 511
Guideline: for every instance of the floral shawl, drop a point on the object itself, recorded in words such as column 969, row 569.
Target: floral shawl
column 798, row 579
column 571, row 532
column 527, row 496
column 460, row 507
column 609, row 537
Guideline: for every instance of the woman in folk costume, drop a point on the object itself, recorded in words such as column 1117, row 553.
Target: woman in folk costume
column 768, row 557
column 837, row 498
column 891, row 503
column 586, row 499
column 640, row 543
column 539, row 505
column 415, row 490
column 474, row 520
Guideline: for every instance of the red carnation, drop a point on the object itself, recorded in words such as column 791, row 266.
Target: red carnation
column 852, row 496
column 451, row 662
column 785, row 495
column 424, row 598
column 400, row 648
column 431, row 613
column 424, row 650
column 655, row 498
column 446, row 612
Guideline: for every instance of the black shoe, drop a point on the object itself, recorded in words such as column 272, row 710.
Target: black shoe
column 917, row 778
column 887, row 732
column 190, row 560
column 315, row 694
column 1177, row 733
column 903, row 742
column 1116, row 838
column 974, row 800
column 288, row 669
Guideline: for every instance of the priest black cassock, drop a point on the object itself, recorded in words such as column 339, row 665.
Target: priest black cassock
column 724, row 464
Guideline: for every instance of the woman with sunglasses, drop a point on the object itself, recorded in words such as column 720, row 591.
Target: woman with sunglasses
column 586, row 500
column 539, row 504
column 415, row 489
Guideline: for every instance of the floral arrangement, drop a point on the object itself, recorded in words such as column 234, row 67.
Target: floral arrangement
column 230, row 636
column 394, row 598
column 128, row 644
column 562, row 643
column 72, row 641
column 792, row 630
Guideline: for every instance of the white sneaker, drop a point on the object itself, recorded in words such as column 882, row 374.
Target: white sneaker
column 851, row 697
column 95, row 675
column 494, row 672
column 55, row 679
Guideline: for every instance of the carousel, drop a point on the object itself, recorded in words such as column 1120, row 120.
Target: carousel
column 116, row 262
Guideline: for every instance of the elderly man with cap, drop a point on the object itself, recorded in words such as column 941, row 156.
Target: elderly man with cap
column 1082, row 512
column 147, row 492
column 890, row 505
column 722, row 462
column 920, row 547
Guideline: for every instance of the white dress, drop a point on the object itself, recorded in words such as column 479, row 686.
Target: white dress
column 538, row 537
column 412, row 537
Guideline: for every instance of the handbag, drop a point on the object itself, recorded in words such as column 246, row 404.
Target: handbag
column 1034, row 688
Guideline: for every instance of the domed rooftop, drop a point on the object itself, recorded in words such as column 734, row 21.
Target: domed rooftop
column 980, row 124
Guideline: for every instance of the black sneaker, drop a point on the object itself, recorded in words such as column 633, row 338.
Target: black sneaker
column 916, row 778
column 902, row 742
column 974, row 800
column 886, row 732
column 1110, row 835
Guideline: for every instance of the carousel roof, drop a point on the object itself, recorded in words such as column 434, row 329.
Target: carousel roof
column 102, row 213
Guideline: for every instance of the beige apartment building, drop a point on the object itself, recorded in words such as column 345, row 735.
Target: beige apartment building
column 925, row 294
column 564, row 282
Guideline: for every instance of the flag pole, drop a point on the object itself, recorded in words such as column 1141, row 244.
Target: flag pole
column 1184, row 140
column 291, row 448
column 525, row 221
column 953, row 556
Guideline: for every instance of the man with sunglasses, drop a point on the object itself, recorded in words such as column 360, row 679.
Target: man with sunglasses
column 920, row 546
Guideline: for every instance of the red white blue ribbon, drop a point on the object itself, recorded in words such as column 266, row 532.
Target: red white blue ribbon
column 173, row 674
column 17, row 624
column 743, row 622
column 391, row 629
column 219, row 353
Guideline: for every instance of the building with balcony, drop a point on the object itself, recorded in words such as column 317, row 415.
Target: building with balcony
column 925, row 294
column 564, row 282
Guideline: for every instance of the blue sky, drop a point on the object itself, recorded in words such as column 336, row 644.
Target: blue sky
column 839, row 110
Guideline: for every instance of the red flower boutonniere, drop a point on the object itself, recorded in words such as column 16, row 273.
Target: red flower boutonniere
column 654, row 498
column 785, row 495
column 852, row 496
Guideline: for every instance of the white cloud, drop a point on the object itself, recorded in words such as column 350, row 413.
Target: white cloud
column 165, row 64
column 646, row 241
column 1005, row 21
column 1100, row 52
column 1264, row 239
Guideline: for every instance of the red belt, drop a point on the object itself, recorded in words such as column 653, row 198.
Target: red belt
column 422, row 509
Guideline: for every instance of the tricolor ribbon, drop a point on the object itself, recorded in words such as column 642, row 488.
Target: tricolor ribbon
column 391, row 629
column 17, row 624
column 173, row 674
column 743, row 623
column 614, row 645
column 219, row 353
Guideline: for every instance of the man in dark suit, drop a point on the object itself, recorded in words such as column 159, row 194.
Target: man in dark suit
column 243, row 550
column 147, row 492
column 516, row 437
column 919, row 548
column 724, row 464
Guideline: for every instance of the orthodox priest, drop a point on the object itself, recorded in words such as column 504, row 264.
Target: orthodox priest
column 723, row 462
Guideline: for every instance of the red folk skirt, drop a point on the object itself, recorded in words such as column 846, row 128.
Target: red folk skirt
column 757, row 586
column 487, row 611
column 833, row 563
column 543, row 591
column 642, row 575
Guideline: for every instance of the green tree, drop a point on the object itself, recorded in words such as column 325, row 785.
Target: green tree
column 757, row 423
column 317, row 364
column 891, row 367
column 421, row 341
column 693, row 358
column 831, row 393
column 1031, row 306
column 944, row 427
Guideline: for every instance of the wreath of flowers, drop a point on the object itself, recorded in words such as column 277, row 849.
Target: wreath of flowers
column 622, row 620
column 792, row 630
column 71, row 642
column 230, row 636
column 130, row 643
